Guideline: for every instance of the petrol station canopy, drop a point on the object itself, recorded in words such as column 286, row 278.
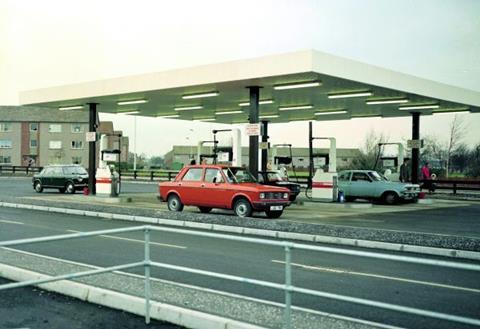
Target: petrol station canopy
column 305, row 85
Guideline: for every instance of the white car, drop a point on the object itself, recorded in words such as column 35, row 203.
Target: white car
column 369, row 184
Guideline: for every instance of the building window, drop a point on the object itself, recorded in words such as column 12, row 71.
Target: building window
column 33, row 143
column 5, row 159
column 76, row 145
column 34, row 127
column 54, row 128
column 77, row 160
column 5, row 144
column 77, row 128
column 5, row 127
column 55, row 145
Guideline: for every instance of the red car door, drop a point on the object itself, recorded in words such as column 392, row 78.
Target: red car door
column 189, row 187
column 215, row 189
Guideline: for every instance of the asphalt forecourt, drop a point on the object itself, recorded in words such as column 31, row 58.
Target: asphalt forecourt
column 187, row 296
column 362, row 232
column 54, row 310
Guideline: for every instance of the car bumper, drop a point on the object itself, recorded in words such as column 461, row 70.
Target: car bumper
column 265, row 205
column 409, row 196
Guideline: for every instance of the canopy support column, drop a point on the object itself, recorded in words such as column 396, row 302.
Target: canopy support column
column 92, row 149
column 253, row 142
column 415, row 150
column 264, row 140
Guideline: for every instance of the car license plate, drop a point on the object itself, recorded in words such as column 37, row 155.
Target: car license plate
column 276, row 207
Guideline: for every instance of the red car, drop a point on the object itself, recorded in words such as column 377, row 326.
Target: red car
column 220, row 186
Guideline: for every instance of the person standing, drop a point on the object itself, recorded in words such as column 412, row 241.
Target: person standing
column 404, row 172
column 427, row 178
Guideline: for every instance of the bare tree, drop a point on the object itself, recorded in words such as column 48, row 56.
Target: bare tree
column 370, row 152
column 457, row 133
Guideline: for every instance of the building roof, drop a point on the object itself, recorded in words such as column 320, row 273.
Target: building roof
column 166, row 93
column 37, row 114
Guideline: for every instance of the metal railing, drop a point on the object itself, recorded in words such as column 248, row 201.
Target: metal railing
column 287, row 287
column 453, row 184
column 19, row 169
column 151, row 174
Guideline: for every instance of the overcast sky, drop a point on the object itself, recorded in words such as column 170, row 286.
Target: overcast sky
column 47, row 43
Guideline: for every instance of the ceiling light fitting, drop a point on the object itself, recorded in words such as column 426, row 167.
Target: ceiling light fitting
column 188, row 108
column 298, row 85
column 387, row 101
column 291, row 108
column 69, row 108
column 138, row 101
column 192, row 96
column 348, row 95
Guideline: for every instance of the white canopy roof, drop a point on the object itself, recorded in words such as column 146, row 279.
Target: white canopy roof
column 344, row 87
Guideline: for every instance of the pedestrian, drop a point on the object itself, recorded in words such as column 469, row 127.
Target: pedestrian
column 427, row 178
column 404, row 175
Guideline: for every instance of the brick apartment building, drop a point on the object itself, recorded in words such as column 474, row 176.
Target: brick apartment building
column 41, row 136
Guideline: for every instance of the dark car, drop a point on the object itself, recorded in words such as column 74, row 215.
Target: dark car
column 273, row 178
column 65, row 178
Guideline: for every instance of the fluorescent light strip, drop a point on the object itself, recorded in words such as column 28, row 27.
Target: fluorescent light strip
column 291, row 108
column 348, row 95
column 69, row 108
column 187, row 108
column 387, row 101
column 169, row 116
column 228, row 112
column 266, row 101
column 298, row 85
column 129, row 112
column 418, row 107
column 273, row 116
column 211, row 94
column 331, row 112
column 138, row 101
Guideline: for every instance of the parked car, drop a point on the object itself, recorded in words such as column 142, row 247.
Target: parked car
column 369, row 184
column 226, row 187
column 273, row 178
column 65, row 178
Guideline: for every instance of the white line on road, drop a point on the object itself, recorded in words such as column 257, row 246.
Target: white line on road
column 217, row 292
column 135, row 240
column 378, row 276
column 11, row 222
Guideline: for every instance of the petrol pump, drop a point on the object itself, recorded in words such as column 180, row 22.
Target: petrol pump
column 323, row 181
column 279, row 163
column 107, row 178
column 223, row 154
column 391, row 164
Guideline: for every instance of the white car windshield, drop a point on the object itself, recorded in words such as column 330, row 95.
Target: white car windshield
column 376, row 177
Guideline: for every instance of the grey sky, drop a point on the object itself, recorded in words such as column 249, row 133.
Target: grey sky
column 47, row 43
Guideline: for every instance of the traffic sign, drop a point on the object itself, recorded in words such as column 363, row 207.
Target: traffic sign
column 263, row 145
column 252, row 129
column 90, row 136
column 415, row 143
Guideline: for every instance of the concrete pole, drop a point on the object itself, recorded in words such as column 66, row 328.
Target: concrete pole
column 415, row 151
column 264, row 140
column 92, row 166
column 134, row 143
column 253, row 118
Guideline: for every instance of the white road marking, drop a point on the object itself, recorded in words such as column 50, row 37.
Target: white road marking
column 135, row 240
column 11, row 222
column 217, row 292
column 372, row 275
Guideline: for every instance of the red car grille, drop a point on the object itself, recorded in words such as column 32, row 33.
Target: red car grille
column 273, row 195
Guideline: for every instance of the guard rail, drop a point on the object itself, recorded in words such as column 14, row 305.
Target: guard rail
column 287, row 287
column 19, row 169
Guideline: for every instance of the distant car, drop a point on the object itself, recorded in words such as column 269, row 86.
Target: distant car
column 226, row 187
column 273, row 178
column 369, row 184
column 65, row 178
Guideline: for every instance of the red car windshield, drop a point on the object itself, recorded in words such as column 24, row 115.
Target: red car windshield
column 238, row 175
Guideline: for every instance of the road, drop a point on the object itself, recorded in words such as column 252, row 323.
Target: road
column 458, row 218
column 432, row 288
column 22, row 187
